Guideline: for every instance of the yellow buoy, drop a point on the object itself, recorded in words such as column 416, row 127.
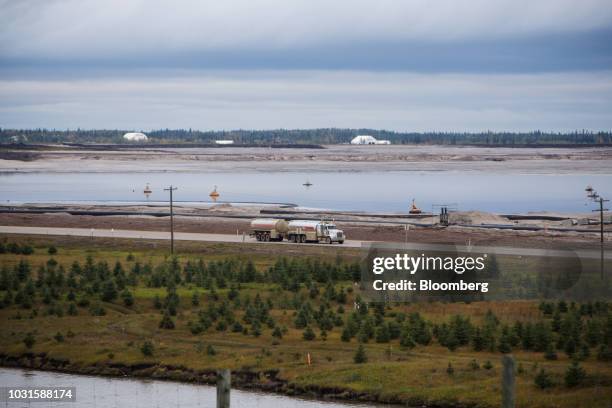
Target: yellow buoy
column 214, row 194
column 414, row 209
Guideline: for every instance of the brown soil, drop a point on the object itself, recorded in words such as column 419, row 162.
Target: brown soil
column 458, row 235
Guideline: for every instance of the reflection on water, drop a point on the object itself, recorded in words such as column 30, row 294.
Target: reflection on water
column 100, row 392
column 366, row 191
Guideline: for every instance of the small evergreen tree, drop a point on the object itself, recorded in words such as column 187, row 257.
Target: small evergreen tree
column 308, row 334
column 166, row 322
column 128, row 298
column 574, row 374
column 109, row 291
column 406, row 340
column 29, row 340
column 360, row 356
column 382, row 334
column 346, row 335
column 277, row 332
column 550, row 353
column 59, row 337
column 543, row 380
column 147, row 349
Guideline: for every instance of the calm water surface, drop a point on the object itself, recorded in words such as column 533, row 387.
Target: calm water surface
column 366, row 191
column 101, row 392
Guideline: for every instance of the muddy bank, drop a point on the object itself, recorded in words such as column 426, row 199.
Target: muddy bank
column 244, row 379
column 333, row 158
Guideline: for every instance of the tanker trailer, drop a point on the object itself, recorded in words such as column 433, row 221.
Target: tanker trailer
column 269, row 229
column 314, row 231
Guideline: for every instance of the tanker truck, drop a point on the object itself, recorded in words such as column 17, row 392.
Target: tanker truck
column 298, row 231
column 269, row 229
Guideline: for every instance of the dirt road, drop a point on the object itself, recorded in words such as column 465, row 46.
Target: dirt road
column 161, row 235
column 207, row 237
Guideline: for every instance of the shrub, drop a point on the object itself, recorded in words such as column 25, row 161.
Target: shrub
column 543, row 380
column 277, row 333
column 450, row 370
column 59, row 337
column 474, row 365
column 210, row 350
column 52, row 250
column 166, row 322
column 406, row 340
column 27, row 250
column 360, row 356
column 128, row 298
column 550, row 353
column 487, row 365
column 574, row 374
column 308, row 334
column 147, row 349
column 604, row 353
column 97, row 310
column 109, row 291
column 29, row 340
column 346, row 335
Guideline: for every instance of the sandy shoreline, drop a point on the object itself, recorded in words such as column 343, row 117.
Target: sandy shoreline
column 333, row 158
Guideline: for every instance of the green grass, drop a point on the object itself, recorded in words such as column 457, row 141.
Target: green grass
column 417, row 375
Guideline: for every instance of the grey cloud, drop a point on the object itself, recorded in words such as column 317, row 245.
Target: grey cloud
column 73, row 29
column 307, row 99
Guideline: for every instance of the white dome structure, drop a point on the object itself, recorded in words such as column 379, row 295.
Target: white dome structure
column 363, row 140
column 135, row 137
column 368, row 140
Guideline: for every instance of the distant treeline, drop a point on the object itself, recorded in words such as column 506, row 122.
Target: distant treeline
column 307, row 136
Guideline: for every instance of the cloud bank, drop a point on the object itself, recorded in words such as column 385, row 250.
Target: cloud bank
column 307, row 99
column 402, row 65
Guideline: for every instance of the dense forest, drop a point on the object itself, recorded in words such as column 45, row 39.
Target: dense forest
column 307, row 136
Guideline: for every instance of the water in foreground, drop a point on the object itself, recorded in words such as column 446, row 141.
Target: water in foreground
column 101, row 392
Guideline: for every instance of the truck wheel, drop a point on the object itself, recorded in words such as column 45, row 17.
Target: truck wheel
column 341, row 242
column 258, row 236
column 267, row 237
column 302, row 238
column 293, row 238
column 328, row 240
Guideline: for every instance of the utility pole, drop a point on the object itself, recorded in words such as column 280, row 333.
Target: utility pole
column 601, row 217
column 592, row 194
column 171, row 189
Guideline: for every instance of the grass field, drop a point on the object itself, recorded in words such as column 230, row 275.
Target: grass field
column 420, row 374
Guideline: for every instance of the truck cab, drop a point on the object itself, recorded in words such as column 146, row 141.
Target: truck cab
column 329, row 233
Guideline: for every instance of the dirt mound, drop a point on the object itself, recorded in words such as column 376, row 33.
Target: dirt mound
column 476, row 218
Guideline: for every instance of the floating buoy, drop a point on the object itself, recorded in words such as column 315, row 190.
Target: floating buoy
column 147, row 189
column 307, row 183
column 414, row 209
column 214, row 194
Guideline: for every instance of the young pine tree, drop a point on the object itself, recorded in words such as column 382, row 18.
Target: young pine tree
column 360, row 356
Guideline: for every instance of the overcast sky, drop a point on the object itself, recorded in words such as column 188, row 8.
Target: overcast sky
column 446, row 65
